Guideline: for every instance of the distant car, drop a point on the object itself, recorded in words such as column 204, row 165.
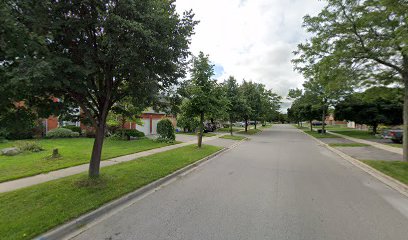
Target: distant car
column 210, row 127
column 316, row 123
column 396, row 135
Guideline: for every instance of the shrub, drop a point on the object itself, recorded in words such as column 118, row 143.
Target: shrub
column 89, row 133
column 74, row 129
column 128, row 133
column 62, row 133
column 18, row 124
column 165, row 129
column 29, row 146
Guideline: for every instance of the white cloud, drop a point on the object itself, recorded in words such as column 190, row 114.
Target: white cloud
column 252, row 39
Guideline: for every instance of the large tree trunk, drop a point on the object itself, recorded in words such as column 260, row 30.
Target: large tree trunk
column 200, row 135
column 405, row 115
column 311, row 125
column 255, row 123
column 375, row 126
column 94, row 165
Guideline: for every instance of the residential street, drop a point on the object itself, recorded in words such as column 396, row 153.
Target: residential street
column 279, row 185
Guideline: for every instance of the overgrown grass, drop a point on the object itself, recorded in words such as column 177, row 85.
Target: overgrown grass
column 73, row 151
column 28, row 212
column 250, row 131
column 395, row 169
column 237, row 138
column 348, row 145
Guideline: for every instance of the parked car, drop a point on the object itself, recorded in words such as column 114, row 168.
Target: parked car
column 210, row 127
column 396, row 135
column 317, row 123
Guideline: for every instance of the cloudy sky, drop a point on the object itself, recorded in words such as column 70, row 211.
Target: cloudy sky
column 252, row 39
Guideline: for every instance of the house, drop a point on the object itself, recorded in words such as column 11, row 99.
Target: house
column 150, row 118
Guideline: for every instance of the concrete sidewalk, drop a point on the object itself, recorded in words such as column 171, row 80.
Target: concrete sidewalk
column 371, row 143
column 41, row 178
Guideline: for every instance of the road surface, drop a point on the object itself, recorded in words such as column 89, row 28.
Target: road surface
column 279, row 185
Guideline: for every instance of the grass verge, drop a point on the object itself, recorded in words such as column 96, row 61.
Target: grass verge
column 395, row 169
column 234, row 129
column 250, row 131
column 74, row 151
column 348, row 145
column 397, row 145
column 361, row 134
column 28, row 212
column 237, row 138
column 319, row 135
column 195, row 134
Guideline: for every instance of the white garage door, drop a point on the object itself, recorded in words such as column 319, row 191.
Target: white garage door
column 154, row 126
column 145, row 128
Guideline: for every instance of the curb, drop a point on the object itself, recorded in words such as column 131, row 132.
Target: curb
column 387, row 180
column 78, row 225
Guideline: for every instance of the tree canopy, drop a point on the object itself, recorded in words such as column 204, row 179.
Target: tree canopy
column 94, row 53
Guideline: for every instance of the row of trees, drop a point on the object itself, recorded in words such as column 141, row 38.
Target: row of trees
column 204, row 98
column 374, row 106
column 355, row 44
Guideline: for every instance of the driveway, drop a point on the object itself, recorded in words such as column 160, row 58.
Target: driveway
column 279, row 185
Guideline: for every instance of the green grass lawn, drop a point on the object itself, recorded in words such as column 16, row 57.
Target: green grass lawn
column 397, row 145
column 267, row 126
column 28, row 212
column 361, row 134
column 194, row 134
column 237, row 138
column 319, row 135
column 74, row 151
column 234, row 129
column 251, row 131
column 397, row 170
column 348, row 145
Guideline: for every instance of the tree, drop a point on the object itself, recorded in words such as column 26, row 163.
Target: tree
column 95, row 53
column 270, row 105
column 305, row 108
column 204, row 95
column 237, row 105
column 371, row 34
column 377, row 105
column 328, row 82
column 252, row 96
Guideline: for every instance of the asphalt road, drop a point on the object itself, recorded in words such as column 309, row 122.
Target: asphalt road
column 279, row 185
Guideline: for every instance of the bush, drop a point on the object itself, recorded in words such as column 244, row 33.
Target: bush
column 62, row 133
column 17, row 124
column 90, row 133
column 129, row 133
column 165, row 129
column 74, row 129
column 29, row 146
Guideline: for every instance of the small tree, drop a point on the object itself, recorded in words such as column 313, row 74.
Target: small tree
column 237, row 104
column 165, row 129
column 202, row 93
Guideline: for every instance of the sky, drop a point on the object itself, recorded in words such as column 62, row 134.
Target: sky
column 252, row 39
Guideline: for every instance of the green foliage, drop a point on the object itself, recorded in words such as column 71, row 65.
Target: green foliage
column 165, row 129
column 377, row 105
column 187, row 123
column 74, row 129
column 94, row 54
column 29, row 146
column 18, row 123
column 129, row 133
column 61, row 133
